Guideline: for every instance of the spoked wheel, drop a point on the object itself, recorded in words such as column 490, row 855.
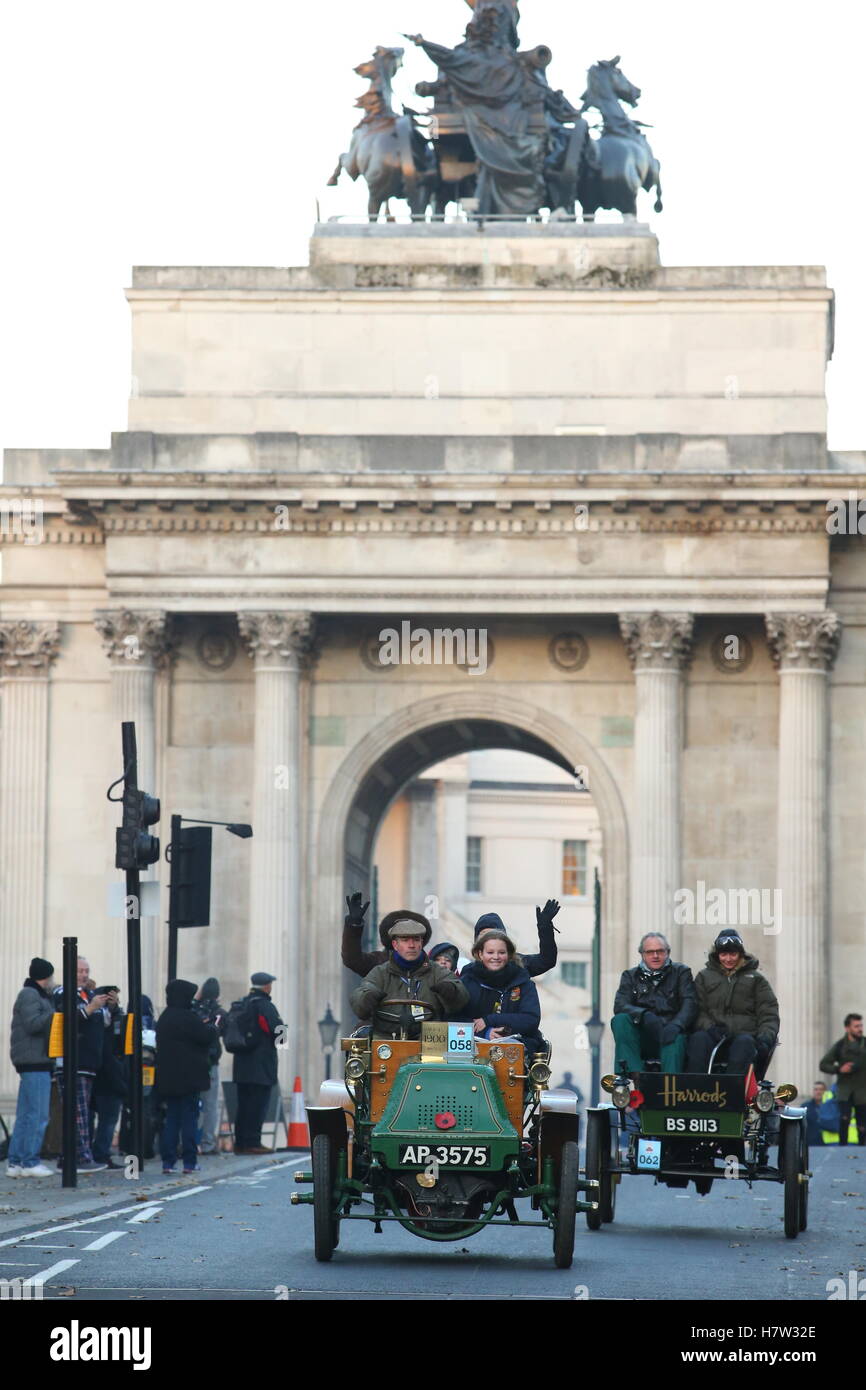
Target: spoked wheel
column 791, row 1145
column 566, row 1206
column 325, row 1227
column 596, row 1139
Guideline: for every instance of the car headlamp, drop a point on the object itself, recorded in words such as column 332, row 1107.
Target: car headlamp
column 621, row 1095
column 539, row 1074
column 765, row 1100
column 355, row 1068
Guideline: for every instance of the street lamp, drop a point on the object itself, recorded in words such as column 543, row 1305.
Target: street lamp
column 594, row 1031
column 189, row 854
column 329, row 1027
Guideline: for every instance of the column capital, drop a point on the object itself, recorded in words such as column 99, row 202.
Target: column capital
column 658, row 641
column 276, row 639
column 142, row 637
column 803, row 641
column 27, row 648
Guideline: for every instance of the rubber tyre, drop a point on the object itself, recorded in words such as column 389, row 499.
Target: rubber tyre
column 594, row 1162
column 566, row 1206
column 323, row 1199
column 789, row 1165
column 804, row 1186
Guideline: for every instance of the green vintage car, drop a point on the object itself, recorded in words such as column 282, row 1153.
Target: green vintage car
column 698, row 1127
column 444, row 1135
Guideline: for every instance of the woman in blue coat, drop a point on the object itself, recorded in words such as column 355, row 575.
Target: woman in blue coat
column 503, row 1000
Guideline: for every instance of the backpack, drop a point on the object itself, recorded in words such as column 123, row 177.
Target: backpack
column 241, row 1028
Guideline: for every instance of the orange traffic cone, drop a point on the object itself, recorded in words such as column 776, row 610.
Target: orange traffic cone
column 299, row 1135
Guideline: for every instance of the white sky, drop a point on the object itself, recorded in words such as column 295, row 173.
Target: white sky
column 203, row 133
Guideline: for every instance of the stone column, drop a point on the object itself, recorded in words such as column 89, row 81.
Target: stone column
column 138, row 644
column 27, row 650
column 803, row 647
column 659, row 648
column 281, row 647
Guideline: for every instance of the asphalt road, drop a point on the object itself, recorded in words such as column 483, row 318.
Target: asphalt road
column 238, row 1238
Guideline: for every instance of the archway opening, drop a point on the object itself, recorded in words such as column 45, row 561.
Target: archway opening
column 475, row 815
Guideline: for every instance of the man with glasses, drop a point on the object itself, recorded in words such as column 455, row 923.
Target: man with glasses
column 654, row 1008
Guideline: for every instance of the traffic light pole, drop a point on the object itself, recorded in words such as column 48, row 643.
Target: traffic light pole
column 174, row 859
column 133, row 945
column 70, row 1061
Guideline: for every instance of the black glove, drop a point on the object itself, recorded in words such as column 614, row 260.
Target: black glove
column 765, row 1041
column 670, row 1033
column 544, row 915
column 649, row 1017
column 355, row 912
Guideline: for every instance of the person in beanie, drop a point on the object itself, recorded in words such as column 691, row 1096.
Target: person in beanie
column 255, row 1072
column 409, row 975
column 183, row 1044
column 503, row 1001
column 654, row 1009
column 846, row 1060
column 31, row 1024
column 210, row 1010
column 446, row 955
column 547, row 953
column 735, row 1001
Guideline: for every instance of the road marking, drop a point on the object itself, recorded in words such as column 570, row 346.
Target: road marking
column 275, row 1167
column 18, row 1264
column 144, row 1215
column 190, row 1192
column 50, row 1247
column 52, row 1270
column 101, row 1243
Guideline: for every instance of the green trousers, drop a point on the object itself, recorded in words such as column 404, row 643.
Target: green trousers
column 635, row 1045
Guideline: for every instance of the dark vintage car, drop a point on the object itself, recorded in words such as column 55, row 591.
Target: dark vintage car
column 696, row 1127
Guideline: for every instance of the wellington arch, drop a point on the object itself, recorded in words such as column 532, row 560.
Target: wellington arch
column 616, row 469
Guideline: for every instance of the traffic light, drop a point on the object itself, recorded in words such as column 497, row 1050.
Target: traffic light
column 136, row 849
column 189, row 890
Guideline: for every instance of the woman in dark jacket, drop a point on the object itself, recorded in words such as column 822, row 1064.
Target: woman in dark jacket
column 502, row 997
column 183, row 1044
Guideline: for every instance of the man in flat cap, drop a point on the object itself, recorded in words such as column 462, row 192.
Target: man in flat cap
column 429, row 991
column 254, row 1070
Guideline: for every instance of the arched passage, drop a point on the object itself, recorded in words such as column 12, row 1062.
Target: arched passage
column 413, row 739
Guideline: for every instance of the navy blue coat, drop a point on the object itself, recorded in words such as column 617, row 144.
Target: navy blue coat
column 512, row 1004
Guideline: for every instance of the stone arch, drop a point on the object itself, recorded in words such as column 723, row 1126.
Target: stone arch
column 413, row 734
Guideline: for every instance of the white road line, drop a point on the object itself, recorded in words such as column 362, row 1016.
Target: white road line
column 18, row 1264
column 190, row 1192
column 275, row 1167
column 144, row 1215
column 45, row 1274
column 101, row 1243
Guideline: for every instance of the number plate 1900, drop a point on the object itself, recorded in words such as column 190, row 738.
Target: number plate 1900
column 446, row 1155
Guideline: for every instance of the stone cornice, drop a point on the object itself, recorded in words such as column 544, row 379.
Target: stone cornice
column 27, row 649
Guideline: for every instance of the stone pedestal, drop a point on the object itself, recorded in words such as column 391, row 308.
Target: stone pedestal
column 26, row 653
column 659, row 648
column 280, row 644
column 138, row 644
column 804, row 648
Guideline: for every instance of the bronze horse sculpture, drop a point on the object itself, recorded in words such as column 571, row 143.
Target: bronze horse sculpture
column 387, row 150
column 622, row 160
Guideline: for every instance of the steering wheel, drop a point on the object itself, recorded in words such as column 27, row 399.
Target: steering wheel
column 405, row 1003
